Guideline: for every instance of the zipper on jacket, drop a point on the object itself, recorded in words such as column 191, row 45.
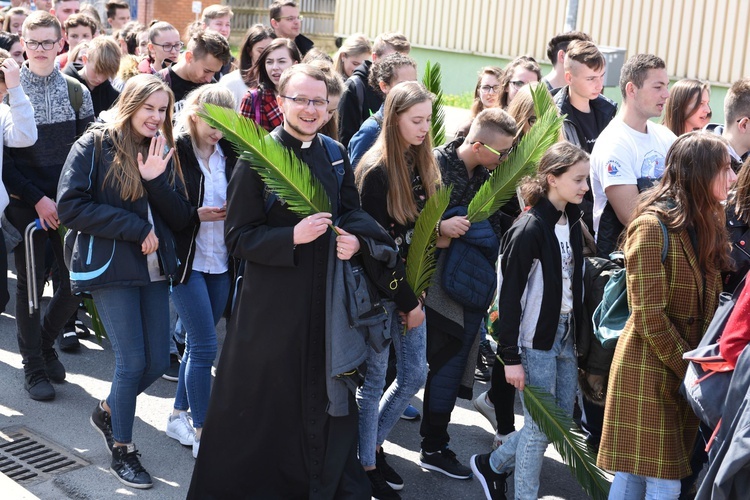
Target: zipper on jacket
column 91, row 250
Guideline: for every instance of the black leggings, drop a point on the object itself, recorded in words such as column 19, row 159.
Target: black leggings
column 503, row 396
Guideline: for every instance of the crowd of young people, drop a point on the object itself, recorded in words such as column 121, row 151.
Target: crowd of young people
column 159, row 210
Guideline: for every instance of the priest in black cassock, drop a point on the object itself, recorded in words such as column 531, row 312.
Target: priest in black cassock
column 268, row 433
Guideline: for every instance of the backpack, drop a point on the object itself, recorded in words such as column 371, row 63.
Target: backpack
column 708, row 375
column 75, row 93
column 613, row 312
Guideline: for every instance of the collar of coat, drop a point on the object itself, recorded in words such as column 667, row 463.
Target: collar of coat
column 545, row 211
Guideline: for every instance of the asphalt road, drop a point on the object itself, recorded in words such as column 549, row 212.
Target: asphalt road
column 65, row 423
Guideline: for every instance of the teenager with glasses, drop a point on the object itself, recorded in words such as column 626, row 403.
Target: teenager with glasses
column 453, row 328
column 164, row 47
column 486, row 95
column 260, row 104
column 521, row 71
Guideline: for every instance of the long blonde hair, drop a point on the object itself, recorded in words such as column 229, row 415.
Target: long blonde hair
column 210, row 93
column 124, row 174
column 397, row 156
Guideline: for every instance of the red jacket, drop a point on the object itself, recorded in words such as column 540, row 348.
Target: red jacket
column 736, row 333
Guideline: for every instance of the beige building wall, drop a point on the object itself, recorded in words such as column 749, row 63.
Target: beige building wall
column 705, row 39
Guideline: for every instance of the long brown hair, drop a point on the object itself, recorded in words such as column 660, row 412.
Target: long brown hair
column 680, row 95
column 123, row 174
column 477, row 106
column 692, row 164
column 391, row 151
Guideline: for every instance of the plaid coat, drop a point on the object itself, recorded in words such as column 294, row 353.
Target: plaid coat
column 649, row 428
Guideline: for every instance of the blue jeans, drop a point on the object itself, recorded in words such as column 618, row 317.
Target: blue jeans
column 555, row 371
column 378, row 415
column 136, row 320
column 631, row 487
column 200, row 303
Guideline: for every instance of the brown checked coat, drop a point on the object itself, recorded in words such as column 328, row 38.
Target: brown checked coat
column 649, row 429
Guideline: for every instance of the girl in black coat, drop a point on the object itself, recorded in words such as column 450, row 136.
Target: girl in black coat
column 121, row 196
column 207, row 162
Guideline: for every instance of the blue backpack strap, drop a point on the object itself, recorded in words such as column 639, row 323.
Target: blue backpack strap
column 337, row 161
column 665, row 248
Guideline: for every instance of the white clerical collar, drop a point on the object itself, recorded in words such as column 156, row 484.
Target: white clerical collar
column 306, row 145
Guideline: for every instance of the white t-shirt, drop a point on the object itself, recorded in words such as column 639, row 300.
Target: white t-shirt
column 623, row 155
column 562, row 231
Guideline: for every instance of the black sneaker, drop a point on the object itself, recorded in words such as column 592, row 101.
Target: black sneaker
column 38, row 386
column 82, row 331
column 444, row 461
column 381, row 490
column 126, row 466
column 390, row 475
column 488, row 355
column 52, row 365
column 173, row 372
column 69, row 341
column 102, row 422
column 493, row 484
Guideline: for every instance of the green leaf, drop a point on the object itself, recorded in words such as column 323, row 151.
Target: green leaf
column 285, row 174
column 420, row 260
column 501, row 185
column 568, row 440
column 432, row 81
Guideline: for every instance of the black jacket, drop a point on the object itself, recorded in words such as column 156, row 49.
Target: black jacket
column 530, row 262
column 358, row 102
column 604, row 110
column 102, row 96
column 193, row 175
column 739, row 237
column 105, row 232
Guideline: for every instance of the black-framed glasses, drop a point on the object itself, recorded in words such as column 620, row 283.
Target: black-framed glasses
column 501, row 155
column 291, row 19
column 303, row 102
column 518, row 84
column 45, row 44
column 170, row 47
column 489, row 89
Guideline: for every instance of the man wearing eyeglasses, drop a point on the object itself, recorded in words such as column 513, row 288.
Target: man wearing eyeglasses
column 308, row 450
column 31, row 175
column 286, row 22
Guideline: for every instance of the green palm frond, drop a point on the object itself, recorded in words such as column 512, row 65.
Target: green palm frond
column 96, row 321
column 501, row 185
column 420, row 260
column 285, row 174
column 568, row 440
column 432, row 81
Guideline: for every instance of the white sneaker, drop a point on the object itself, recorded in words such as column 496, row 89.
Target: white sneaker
column 501, row 439
column 196, row 445
column 181, row 429
column 486, row 409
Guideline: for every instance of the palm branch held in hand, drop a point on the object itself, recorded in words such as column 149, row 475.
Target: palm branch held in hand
column 285, row 174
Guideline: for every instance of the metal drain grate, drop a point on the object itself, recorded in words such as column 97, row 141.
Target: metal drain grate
column 28, row 458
